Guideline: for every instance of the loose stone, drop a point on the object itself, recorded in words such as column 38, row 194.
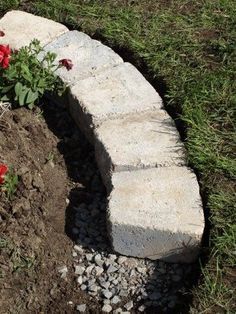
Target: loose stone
column 98, row 270
column 89, row 270
column 74, row 254
column 112, row 257
column 79, row 270
column 98, row 260
column 121, row 260
column 93, row 288
column 89, row 257
column 142, row 308
column 128, row 306
column 63, row 271
column 111, row 269
column 80, row 280
column 107, row 294
column 107, row 308
column 81, row 308
column 115, row 300
column 78, row 248
column 83, row 287
column 105, row 284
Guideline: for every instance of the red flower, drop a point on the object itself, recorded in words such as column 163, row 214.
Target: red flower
column 3, row 171
column 2, row 34
column 5, row 52
column 66, row 63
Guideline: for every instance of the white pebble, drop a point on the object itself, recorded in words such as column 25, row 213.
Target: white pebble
column 107, row 308
column 128, row 306
column 79, row 270
column 81, row 308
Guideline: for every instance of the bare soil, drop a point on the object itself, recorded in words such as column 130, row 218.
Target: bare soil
column 33, row 242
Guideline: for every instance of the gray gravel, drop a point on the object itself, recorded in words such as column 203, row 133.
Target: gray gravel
column 81, row 308
column 112, row 278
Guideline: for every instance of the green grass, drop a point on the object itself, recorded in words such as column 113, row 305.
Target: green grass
column 191, row 46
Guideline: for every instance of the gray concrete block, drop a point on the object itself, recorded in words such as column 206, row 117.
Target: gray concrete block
column 21, row 28
column 156, row 214
column 87, row 55
column 113, row 93
column 144, row 140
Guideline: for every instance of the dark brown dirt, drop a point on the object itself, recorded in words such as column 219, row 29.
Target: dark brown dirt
column 33, row 242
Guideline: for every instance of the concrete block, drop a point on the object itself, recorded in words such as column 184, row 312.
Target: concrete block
column 88, row 56
column 111, row 94
column 21, row 28
column 156, row 214
column 145, row 140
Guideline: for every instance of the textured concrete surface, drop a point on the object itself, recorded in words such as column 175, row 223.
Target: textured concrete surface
column 21, row 28
column 113, row 93
column 87, row 55
column 156, row 213
column 144, row 140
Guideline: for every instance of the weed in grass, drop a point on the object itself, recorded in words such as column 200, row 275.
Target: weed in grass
column 214, row 295
column 225, row 246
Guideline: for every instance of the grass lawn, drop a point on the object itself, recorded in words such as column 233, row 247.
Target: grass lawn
column 187, row 49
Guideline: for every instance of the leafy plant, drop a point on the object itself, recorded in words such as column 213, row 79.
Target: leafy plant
column 30, row 73
column 10, row 183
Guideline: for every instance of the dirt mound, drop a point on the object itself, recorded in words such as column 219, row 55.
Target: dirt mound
column 33, row 242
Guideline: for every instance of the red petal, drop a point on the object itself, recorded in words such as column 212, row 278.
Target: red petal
column 66, row 63
column 5, row 49
column 1, row 56
column 5, row 63
column 3, row 169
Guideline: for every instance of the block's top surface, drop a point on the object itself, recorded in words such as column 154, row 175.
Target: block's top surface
column 117, row 91
column 165, row 199
column 21, row 28
column 87, row 55
column 141, row 141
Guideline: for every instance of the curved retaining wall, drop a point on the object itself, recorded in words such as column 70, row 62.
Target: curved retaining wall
column 154, row 206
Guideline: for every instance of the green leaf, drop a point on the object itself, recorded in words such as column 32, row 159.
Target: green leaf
column 5, row 98
column 7, row 88
column 31, row 97
column 26, row 73
column 11, row 75
column 41, row 83
column 22, row 97
column 30, row 106
column 18, row 88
